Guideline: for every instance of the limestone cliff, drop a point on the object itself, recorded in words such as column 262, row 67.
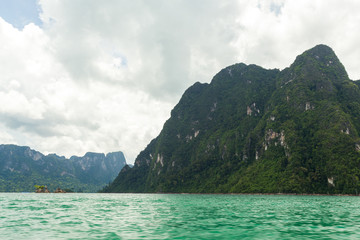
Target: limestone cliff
column 258, row 130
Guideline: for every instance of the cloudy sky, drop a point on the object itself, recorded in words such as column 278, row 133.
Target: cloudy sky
column 102, row 76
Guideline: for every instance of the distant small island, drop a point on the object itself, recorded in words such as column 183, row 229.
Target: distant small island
column 44, row 189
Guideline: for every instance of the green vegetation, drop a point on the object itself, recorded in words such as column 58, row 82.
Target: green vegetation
column 21, row 168
column 39, row 187
column 256, row 130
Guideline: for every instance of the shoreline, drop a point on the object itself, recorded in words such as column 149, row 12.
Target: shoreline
column 260, row 194
column 257, row 194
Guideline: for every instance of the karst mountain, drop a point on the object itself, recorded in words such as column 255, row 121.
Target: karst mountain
column 256, row 130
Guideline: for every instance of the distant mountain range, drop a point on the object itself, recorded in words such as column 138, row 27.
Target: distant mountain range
column 256, row 130
column 21, row 168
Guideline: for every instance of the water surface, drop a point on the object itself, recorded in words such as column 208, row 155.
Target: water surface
column 177, row 216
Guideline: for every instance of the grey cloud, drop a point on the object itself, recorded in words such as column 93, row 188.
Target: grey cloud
column 51, row 124
column 161, row 33
column 21, row 123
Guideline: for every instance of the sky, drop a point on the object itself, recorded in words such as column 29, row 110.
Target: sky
column 81, row 76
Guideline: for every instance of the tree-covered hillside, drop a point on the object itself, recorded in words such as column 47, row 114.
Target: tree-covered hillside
column 258, row 130
column 21, row 168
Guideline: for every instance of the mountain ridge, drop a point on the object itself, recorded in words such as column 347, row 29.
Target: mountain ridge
column 22, row 167
column 258, row 130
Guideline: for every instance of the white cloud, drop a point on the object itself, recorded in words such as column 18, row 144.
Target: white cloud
column 103, row 76
column 273, row 40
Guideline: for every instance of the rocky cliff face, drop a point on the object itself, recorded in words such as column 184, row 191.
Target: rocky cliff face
column 258, row 130
column 98, row 167
column 21, row 168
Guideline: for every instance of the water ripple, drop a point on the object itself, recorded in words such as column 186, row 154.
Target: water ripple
column 177, row 216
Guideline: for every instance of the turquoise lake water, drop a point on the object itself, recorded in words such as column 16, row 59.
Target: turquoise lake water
column 177, row 216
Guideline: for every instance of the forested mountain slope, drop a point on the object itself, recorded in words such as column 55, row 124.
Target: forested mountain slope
column 258, row 130
column 21, row 168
